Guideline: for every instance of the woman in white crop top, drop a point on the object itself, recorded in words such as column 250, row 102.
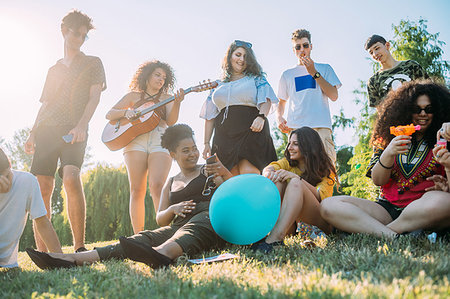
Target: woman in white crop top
column 236, row 113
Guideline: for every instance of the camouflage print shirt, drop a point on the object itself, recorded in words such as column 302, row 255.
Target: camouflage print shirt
column 384, row 81
column 67, row 90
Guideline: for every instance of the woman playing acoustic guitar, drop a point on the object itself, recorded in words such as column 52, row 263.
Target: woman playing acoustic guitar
column 144, row 156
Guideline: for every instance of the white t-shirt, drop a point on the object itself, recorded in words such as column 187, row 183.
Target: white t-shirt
column 307, row 104
column 23, row 198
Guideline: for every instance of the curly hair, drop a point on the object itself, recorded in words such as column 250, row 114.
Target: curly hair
column 75, row 19
column 318, row 164
column 253, row 67
column 140, row 78
column 397, row 109
column 174, row 134
column 301, row 33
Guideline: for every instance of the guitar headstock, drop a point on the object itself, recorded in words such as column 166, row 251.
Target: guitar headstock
column 206, row 85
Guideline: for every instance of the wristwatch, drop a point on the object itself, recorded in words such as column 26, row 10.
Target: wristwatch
column 317, row 75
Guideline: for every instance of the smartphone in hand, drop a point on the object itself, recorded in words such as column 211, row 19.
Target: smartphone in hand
column 212, row 159
column 68, row 138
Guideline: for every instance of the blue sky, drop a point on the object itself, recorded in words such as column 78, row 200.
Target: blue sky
column 192, row 37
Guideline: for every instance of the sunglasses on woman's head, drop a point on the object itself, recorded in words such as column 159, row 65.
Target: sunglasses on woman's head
column 241, row 43
column 428, row 110
column 299, row 46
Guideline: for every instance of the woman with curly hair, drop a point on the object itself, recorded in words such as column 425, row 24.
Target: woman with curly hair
column 183, row 215
column 144, row 156
column 304, row 177
column 404, row 167
column 236, row 112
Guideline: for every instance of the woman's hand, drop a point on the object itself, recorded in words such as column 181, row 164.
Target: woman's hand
column 216, row 169
column 179, row 96
column 398, row 145
column 442, row 155
column 131, row 114
column 183, row 208
column 444, row 132
column 258, row 124
column 206, row 151
column 440, row 183
column 280, row 175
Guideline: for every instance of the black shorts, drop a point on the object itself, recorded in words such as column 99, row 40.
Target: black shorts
column 393, row 210
column 50, row 147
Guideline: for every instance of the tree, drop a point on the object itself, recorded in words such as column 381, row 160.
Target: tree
column 413, row 41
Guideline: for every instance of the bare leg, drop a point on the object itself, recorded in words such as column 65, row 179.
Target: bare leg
column 432, row 210
column 299, row 203
column 136, row 163
column 356, row 215
column 159, row 164
column 170, row 249
column 243, row 167
column 81, row 258
column 46, row 184
column 76, row 204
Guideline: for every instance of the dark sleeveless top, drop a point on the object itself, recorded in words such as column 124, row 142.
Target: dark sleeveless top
column 192, row 191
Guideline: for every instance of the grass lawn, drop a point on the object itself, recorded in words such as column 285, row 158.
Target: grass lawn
column 354, row 266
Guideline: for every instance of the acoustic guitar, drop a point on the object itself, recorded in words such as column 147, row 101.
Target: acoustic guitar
column 118, row 133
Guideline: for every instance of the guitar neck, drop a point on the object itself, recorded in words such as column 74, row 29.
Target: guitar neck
column 166, row 101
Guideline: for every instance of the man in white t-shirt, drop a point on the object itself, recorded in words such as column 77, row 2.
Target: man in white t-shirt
column 306, row 88
column 20, row 195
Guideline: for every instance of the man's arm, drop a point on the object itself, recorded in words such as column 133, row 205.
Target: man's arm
column 29, row 144
column 329, row 90
column 281, row 121
column 48, row 234
column 80, row 131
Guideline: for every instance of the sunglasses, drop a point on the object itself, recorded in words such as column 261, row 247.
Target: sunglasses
column 299, row 46
column 209, row 186
column 428, row 110
column 77, row 34
column 241, row 43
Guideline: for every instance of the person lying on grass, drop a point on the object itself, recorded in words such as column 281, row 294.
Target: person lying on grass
column 304, row 177
column 20, row 195
column 404, row 167
column 183, row 215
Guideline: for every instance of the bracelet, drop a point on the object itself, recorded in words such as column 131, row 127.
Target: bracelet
column 261, row 115
column 385, row 167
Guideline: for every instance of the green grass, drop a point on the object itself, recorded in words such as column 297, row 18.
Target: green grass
column 355, row 266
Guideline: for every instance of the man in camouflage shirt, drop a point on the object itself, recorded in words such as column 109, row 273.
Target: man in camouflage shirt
column 392, row 73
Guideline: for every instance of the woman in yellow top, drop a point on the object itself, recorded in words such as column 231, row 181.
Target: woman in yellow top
column 304, row 177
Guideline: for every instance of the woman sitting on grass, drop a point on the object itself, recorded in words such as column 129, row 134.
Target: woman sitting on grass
column 183, row 215
column 404, row 167
column 304, row 177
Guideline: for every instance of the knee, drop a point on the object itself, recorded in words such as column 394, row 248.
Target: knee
column 71, row 178
column 296, row 183
column 326, row 208
column 329, row 206
column 156, row 185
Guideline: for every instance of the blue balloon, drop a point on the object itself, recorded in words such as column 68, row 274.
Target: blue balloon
column 245, row 208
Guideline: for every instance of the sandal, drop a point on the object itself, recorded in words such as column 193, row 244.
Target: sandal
column 45, row 262
column 265, row 247
column 140, row 252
